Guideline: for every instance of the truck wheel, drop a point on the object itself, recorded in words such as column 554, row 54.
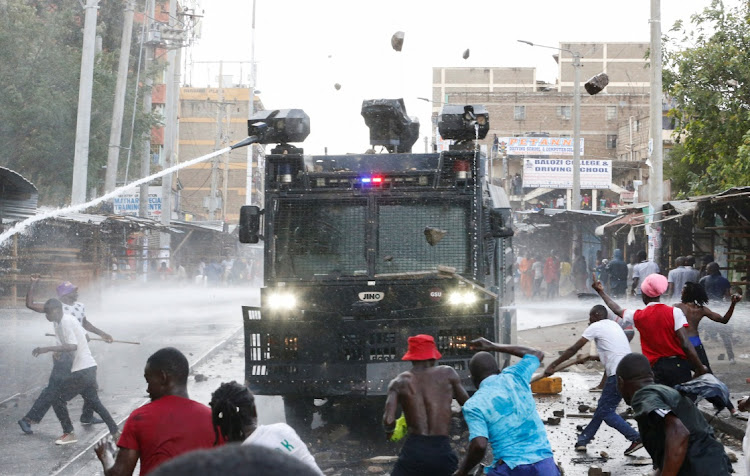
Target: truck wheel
column 299, row 412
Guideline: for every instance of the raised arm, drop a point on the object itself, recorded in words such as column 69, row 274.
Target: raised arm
column 715, row 316
column 614, row 307
column 514, row 350
column 34, row 306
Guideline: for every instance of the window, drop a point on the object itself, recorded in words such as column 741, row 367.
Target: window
column 611, row 141
column 611, row 113
column 563, row 112
column 519, row 113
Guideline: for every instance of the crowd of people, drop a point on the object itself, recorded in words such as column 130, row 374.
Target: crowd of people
column 207, row 272
column 176, row 435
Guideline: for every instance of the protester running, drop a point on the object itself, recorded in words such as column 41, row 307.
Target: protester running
column 81, row 380
column 693, row 304
column 502, row 412
column 674, row 431
column 664, row 338
column 425, row 393
column 235, row 419
column 612, row 345
column 68, row 295
column 170, row 425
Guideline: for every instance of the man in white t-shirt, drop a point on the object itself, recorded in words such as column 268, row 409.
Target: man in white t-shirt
column 68, row 295
column 612, row 345
column 235, row 419
column 82, row 379
column 641, row 271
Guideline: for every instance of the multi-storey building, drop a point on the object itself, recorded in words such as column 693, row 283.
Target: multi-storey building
column 522, row 105
column 211, row 119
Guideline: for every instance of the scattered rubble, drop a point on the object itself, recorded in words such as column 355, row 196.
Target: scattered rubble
column 200, row 378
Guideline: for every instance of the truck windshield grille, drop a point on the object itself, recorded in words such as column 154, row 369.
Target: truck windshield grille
column 420, row 236
column 320, row 238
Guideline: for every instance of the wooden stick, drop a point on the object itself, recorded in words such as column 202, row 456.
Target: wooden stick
column 580, row 360
column 114, row 341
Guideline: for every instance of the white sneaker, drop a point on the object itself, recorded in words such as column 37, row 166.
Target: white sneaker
column 66, row 439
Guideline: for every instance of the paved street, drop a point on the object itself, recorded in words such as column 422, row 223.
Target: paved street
column 205, row 317
column 192, row 319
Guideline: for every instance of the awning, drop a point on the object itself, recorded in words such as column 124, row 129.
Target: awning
column 18, row 196
column 629, row 219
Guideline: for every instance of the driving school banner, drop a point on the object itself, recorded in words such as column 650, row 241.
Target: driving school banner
column 558, row 173
column 515, row 146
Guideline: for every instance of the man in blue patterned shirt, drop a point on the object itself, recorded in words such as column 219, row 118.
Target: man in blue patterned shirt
column 503, row 412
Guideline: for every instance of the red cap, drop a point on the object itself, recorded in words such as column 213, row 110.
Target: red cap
column 422, row 347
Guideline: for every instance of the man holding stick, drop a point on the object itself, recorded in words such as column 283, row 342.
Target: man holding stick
column 81, row 380
column 62, row 361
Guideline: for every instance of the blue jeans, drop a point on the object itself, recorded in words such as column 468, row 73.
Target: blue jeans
column 606, row 412
column 545, row 467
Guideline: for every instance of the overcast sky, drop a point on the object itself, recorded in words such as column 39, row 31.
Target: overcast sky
column 304, row 47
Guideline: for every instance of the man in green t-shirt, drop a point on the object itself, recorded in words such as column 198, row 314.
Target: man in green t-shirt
column 672, row 429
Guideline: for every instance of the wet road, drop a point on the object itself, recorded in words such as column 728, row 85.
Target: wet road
column 191, row 319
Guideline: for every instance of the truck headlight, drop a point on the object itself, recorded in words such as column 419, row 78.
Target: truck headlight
column 282, row 301
column 462, row 298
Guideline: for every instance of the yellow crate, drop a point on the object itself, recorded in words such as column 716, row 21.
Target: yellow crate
column 549, row 385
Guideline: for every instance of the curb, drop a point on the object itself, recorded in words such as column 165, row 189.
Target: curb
column 200, row 360
column 724, row 425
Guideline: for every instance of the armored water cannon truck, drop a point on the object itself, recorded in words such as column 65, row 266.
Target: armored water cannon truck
column 362, row 251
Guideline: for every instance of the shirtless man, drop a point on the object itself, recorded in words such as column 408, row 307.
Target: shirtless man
column 693, row 306
column 425, row 394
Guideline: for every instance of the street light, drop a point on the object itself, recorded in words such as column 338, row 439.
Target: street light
column 576, row 192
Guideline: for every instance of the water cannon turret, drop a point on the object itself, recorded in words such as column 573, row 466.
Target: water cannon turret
column 463, row 124
column 280, row 126
column 389, row 125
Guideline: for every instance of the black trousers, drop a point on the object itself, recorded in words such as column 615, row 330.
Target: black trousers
column 671, row 371
column 426, row 455
column 61, row 364
column 83, row 383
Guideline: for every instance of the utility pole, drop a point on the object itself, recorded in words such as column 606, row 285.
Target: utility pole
column 576, row 198
column 656, row 192
column 115, row 133
column 217, row 145
column 250, row 112
column 148, row 84
column 85, row 88
column 170, row 126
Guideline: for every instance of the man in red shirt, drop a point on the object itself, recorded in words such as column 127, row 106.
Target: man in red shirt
column 663, row 330
column 170, row 425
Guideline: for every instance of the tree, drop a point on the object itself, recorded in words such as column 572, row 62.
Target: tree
column 710, row 83
column 40, row 54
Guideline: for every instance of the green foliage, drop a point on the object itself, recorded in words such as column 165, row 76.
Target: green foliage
column 40, row 54
column 710, row 82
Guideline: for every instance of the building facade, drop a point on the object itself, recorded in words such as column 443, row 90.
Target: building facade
column 614, row 123
column 212, row 119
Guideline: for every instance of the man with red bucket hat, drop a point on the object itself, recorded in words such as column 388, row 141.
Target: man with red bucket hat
column 425, row 393
column 663, row 329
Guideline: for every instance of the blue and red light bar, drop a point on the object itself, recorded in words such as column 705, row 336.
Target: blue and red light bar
column 374, row 180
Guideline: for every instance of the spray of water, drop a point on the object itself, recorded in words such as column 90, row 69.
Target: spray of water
column 23, row 225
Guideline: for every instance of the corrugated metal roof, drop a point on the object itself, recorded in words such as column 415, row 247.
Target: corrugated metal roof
column 18, row 196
